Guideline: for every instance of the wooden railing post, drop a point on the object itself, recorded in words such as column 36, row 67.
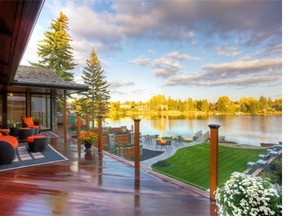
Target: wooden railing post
column 88, row 121
column 100, row 135
column 137, row 146
column 213, row 159
column 78, row 124
column 65, row 118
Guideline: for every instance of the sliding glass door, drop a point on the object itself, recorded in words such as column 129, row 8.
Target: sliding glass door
column 16, row 109
column 41, row 110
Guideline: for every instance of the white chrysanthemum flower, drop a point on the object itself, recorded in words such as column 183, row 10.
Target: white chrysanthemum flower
column 243, row 195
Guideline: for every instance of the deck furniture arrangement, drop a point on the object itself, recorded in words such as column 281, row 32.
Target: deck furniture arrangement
column 5, row 131
column 197, row 135
column 8, row 144
column 37, row 143
column 178, row 141
column 28, row 122
column 24, row 133
column 14, row 131
column 162, row 143
column 264, row 159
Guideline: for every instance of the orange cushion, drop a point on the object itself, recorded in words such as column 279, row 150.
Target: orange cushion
column 10, row 139
column 27, row 128
column 34, row 126
column 1, row 134
column 31, row 139
column 5, row 130
column 28, row 121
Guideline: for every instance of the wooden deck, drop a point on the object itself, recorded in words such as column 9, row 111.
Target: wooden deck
column 89, row 185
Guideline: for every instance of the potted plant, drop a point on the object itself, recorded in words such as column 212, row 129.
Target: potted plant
column 87, row 138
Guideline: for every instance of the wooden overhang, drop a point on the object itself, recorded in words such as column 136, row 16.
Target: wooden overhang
column 17, row 20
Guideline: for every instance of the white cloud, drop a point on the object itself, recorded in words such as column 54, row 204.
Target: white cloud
column 264, row 72
column 163, row 72
column 142, row 61
column 115, row 84
column 166, row 63
column 245, row 66
column 270, row 50
column 227, row 51
column 182, row 56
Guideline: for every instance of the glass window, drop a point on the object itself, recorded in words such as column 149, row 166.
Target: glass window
column 16, row 109
column 41, row 110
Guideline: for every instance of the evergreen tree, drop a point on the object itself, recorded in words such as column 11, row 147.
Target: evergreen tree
column 55, row 51
column 95, row 101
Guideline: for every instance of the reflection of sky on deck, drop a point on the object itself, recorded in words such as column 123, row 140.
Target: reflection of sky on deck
column 250, row 130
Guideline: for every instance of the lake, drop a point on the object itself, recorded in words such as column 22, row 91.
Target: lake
column 251, row 130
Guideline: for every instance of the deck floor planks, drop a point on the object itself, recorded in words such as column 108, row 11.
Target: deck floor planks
column 93, row 187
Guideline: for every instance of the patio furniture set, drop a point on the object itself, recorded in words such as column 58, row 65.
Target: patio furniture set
column 10, row 138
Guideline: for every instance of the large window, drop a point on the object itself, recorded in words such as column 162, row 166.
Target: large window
column 16, row 108
column 41, row 110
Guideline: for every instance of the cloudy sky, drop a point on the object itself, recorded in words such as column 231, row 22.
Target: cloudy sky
column 179, row 48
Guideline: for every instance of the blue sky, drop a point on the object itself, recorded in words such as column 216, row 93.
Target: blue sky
column 179, row 48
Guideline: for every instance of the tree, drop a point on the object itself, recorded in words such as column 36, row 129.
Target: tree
column 96, row 100
column 224, row 104
column 157, row 103
column 254, row 107
column 205, row 106
column 263, row 102
column 55, row 51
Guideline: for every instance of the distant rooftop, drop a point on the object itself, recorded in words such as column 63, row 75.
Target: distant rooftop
column 44, row 78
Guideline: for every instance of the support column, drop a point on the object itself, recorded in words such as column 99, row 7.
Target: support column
column 88, row 121
column 28, row 103
column 137, row 147
column 100, row 135
column 213, row 159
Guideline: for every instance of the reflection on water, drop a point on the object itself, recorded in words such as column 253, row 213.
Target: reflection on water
column 250, row 130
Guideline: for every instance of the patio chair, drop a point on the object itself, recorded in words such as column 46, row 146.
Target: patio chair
column 168, row 144
column 158, row 144
column 8, row 144
column 28, row 122
column 179, row 141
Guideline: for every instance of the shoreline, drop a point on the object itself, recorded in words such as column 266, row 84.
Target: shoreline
column 236, row 145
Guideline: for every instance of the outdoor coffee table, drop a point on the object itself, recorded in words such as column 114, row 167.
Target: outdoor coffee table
column 24, row 133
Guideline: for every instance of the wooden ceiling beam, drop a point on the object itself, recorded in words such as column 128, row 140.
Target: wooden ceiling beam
column 17, row 20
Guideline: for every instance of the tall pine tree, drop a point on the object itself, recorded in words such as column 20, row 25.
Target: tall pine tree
column 55, row 51
column 94, row 101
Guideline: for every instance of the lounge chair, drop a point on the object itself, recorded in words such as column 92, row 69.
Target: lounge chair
column 28, row 122
column 8, row 144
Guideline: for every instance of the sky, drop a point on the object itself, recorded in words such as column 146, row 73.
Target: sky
column 178, row 48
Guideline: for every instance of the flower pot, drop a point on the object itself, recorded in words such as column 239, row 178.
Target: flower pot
column 88, row 145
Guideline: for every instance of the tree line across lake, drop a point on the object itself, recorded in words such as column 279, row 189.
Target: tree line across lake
column 162, row 104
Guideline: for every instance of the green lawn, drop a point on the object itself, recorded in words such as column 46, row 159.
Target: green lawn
column 191, row 164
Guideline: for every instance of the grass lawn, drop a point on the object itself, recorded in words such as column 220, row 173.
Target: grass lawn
column 191, row 164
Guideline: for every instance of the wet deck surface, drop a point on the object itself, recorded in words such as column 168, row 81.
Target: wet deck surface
column 87, row 184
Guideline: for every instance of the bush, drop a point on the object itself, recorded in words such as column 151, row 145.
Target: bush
column 273, row 171
column 246, row 195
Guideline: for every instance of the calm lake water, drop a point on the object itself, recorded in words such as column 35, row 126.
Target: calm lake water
column 250, row 130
